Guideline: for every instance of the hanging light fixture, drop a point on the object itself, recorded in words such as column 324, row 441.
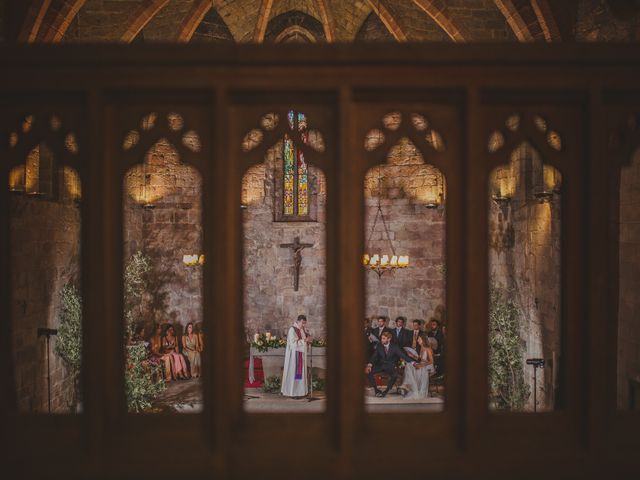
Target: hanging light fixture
column 382, row 262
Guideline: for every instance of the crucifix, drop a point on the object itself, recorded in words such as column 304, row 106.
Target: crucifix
column 297, row 248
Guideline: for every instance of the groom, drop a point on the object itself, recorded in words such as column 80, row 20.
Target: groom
column 384, row 360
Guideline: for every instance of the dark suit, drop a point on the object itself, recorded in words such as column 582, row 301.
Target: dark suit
column 403, row 338
column 438, row 355
column 378, row 331
column 386, row 362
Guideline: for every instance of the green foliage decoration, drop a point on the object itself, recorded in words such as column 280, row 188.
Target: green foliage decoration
column 318, row 383
column 143, row 380
column 272, row 384
column 508, row 388
column 136, row 283
column 69, row 340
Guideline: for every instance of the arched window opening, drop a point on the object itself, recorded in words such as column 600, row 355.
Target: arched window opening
column 283, row 202
column 525, row 282
column 162, row 233
column 46, row 293
column 405, row 263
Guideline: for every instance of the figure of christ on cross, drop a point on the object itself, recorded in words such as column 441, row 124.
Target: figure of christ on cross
column 297, row 248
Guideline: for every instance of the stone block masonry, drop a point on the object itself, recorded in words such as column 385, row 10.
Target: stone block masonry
column 45, row 255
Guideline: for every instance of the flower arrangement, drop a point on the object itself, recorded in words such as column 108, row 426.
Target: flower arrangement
column 264, row 341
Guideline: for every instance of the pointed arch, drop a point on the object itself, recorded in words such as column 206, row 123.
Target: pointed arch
column 438, row 11
column 263, row 18
column 388, row 20
column 33, row 20
column 141, row 17
column 58, row 25
column 327, row 20
column 522, row 19
column 197, row 13
column 547, row 21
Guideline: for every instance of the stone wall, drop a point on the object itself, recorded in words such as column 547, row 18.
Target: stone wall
column 45, row 255
column 270, row 302
column 524, row 259
column 373, row 30
column 403, row 187
column 212, row 29
column 629, row 278
column 598, row 22
column 165, row 232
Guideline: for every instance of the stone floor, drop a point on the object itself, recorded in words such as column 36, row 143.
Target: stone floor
column 185, row 396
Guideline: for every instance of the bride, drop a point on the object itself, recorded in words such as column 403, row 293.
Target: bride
column 415, row 383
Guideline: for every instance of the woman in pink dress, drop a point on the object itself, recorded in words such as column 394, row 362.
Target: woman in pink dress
column 171, row 348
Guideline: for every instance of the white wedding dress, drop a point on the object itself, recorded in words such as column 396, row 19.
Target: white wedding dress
column 416, row 380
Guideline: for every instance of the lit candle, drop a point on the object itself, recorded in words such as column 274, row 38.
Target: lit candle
column 185, row 259
column 374, row 260
column 384, row 260
column 201, row 260
column 394, row 261
column 365, row 259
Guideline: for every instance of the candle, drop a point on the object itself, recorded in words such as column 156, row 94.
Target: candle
column 255, row 337
column 365, row 259
column 268, row 334
column 394, row 261
column 384, row 260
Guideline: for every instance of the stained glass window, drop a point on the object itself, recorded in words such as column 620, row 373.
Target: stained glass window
column 296, row 173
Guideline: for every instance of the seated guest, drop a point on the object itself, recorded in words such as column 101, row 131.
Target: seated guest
column 401, row 336
column 157, row 356
column 171, row 348
column 200, row 334
column 380, row 328
column 415, row 333
column 191, row 348
column 435, row 332
column 138, row 334
column 385, row 360
column 368, row 341
column 415, row 383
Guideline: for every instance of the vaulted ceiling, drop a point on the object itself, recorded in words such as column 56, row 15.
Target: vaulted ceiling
column 290, row 20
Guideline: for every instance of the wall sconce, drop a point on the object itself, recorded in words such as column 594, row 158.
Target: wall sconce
column 16, row 179
column 547, row 185
column 501, row 199
column 543, row 196
column 435, row 197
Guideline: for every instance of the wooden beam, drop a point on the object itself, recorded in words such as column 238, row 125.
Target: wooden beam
column 193, row 19
column 63, row 18
column 141, row 17
column 385, row 16
column 547, row 21
column 515, row 20
column 32, row 22
column 439, row 12
column 263, row 18
column 327, row 20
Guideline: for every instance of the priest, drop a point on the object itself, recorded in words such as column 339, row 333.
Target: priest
column 294, row 375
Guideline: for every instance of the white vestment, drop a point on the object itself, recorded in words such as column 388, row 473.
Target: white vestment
column 295, row 362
